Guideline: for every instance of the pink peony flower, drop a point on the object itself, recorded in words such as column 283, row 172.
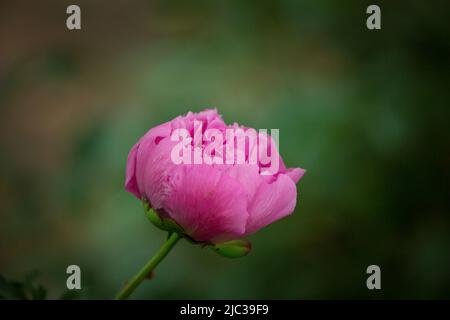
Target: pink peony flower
column 212, row 203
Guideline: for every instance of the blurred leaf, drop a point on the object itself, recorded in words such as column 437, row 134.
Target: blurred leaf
column 11, row 290
column 26, row 290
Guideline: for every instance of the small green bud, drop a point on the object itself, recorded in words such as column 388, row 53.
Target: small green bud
column 163, row 224
column 233, row 248
column 152, row 216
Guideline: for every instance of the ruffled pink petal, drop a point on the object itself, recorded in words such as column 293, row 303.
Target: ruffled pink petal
column 210, row 120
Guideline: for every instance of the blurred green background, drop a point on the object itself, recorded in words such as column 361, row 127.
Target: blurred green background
column 365, row 112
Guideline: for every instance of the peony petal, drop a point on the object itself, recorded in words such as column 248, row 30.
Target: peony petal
column 249, row 178
column 130, row 179
column 208, row 204
column 295, row 174
column 272, row 202
column 155, row 171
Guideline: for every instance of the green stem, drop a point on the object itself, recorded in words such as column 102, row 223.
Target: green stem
column 148, row 267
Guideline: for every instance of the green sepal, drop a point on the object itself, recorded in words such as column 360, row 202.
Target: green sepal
column 233, row 248
column 163, row 224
